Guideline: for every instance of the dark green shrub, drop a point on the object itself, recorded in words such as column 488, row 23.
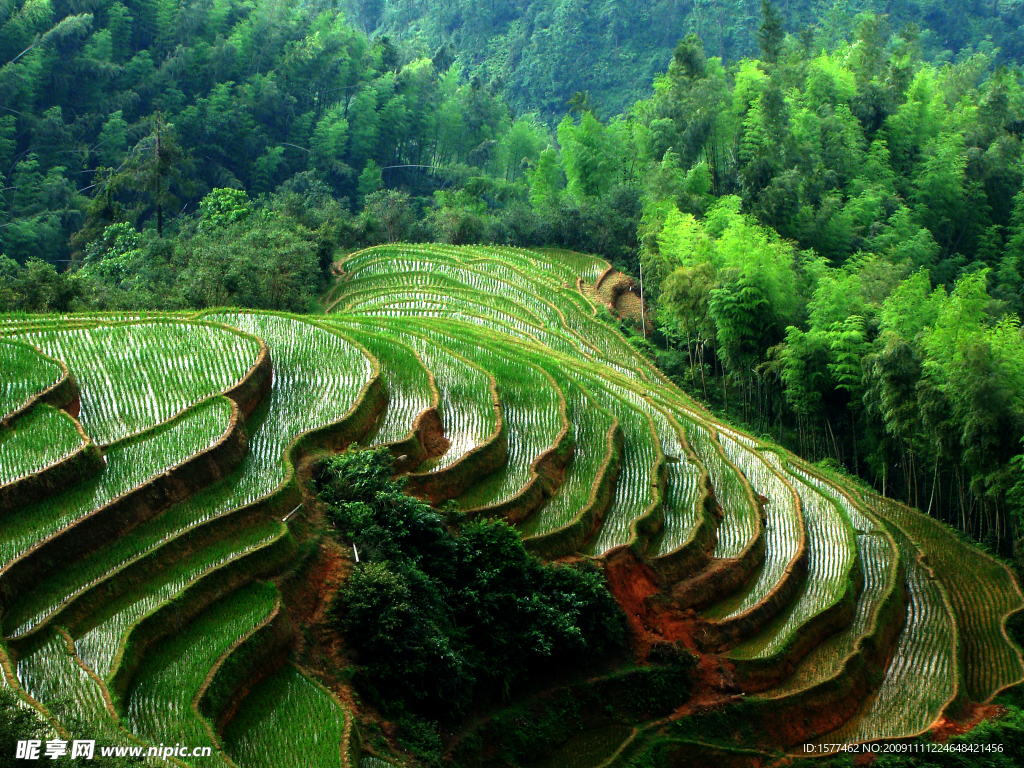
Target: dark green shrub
column 442, row 612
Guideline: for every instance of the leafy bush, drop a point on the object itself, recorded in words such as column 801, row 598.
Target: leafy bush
column 444, row 613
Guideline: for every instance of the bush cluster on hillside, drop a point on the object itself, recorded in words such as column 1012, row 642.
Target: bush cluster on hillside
column 443, row 614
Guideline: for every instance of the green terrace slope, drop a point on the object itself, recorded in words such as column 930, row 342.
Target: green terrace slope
column 289, row 714
column 43, row 437
column 134, row 376
column 149, row 580
column 27, row 374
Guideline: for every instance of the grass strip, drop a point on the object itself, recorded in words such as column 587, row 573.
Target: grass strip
column 26, row 374
column 41, row 438
column 135, row 376
column 285, row 715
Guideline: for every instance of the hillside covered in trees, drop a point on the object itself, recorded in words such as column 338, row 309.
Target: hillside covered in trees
column 543, row 51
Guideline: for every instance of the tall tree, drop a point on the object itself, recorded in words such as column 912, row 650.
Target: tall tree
column 770, row 34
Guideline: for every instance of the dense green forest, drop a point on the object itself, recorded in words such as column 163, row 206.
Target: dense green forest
column 543, row 51
column 831, row 229
column 841, row 233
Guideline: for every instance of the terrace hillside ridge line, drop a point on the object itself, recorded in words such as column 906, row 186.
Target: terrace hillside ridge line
column 767, row 602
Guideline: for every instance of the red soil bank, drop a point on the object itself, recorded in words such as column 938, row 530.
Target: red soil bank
column 653, row 620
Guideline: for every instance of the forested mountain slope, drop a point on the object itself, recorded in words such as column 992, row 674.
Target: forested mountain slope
column 133, row 112
column 541, row 52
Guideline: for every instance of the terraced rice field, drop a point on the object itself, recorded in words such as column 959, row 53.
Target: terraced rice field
column 27, row 374
column 920, row 680
column 783, row 529
column 130, row 465
column 160, row 704
column 533, row 416
column 641, row 456
column 133, row 377
column 106, row 633
column 124, row 636
column 878, row 558
column 40, row 439
column 991, row 663
column 590, row 748
column 306, row 395
column 466, row 408
column 52, row 673
column 832, row 554
column 682, row 493
column 740, row 521
column 410, row 391
column 592, row 425
column 284, row 706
